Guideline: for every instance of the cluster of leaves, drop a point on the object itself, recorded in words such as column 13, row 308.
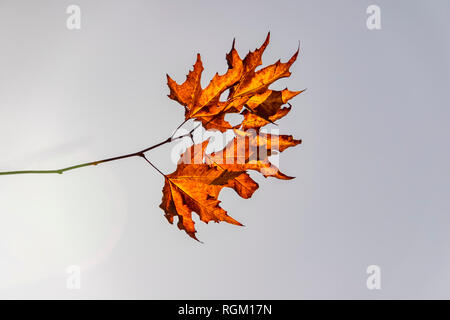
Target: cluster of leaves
column 199, row 177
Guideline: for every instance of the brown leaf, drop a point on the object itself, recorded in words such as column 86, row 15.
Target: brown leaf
column 241, row 79
column 195, row 188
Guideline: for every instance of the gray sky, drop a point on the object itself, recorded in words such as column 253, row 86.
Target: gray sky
column 372, row 173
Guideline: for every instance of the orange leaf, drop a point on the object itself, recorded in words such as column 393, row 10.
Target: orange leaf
column 196, row 187
column 241, row 79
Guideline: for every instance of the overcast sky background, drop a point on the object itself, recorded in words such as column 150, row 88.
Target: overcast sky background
column 372, row 173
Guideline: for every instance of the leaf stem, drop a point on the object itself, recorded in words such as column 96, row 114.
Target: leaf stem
column 94, row 163
column 181, row 124
column 145, row 158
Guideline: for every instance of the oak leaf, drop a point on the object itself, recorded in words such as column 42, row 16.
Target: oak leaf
column 241, row 79
column 196, row 183
column 195, row 187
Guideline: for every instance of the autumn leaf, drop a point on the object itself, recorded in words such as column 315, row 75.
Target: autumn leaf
column 196, row 183
column 195, row 188
column 241, row 79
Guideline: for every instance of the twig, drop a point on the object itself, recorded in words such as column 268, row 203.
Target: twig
column 94, row 163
